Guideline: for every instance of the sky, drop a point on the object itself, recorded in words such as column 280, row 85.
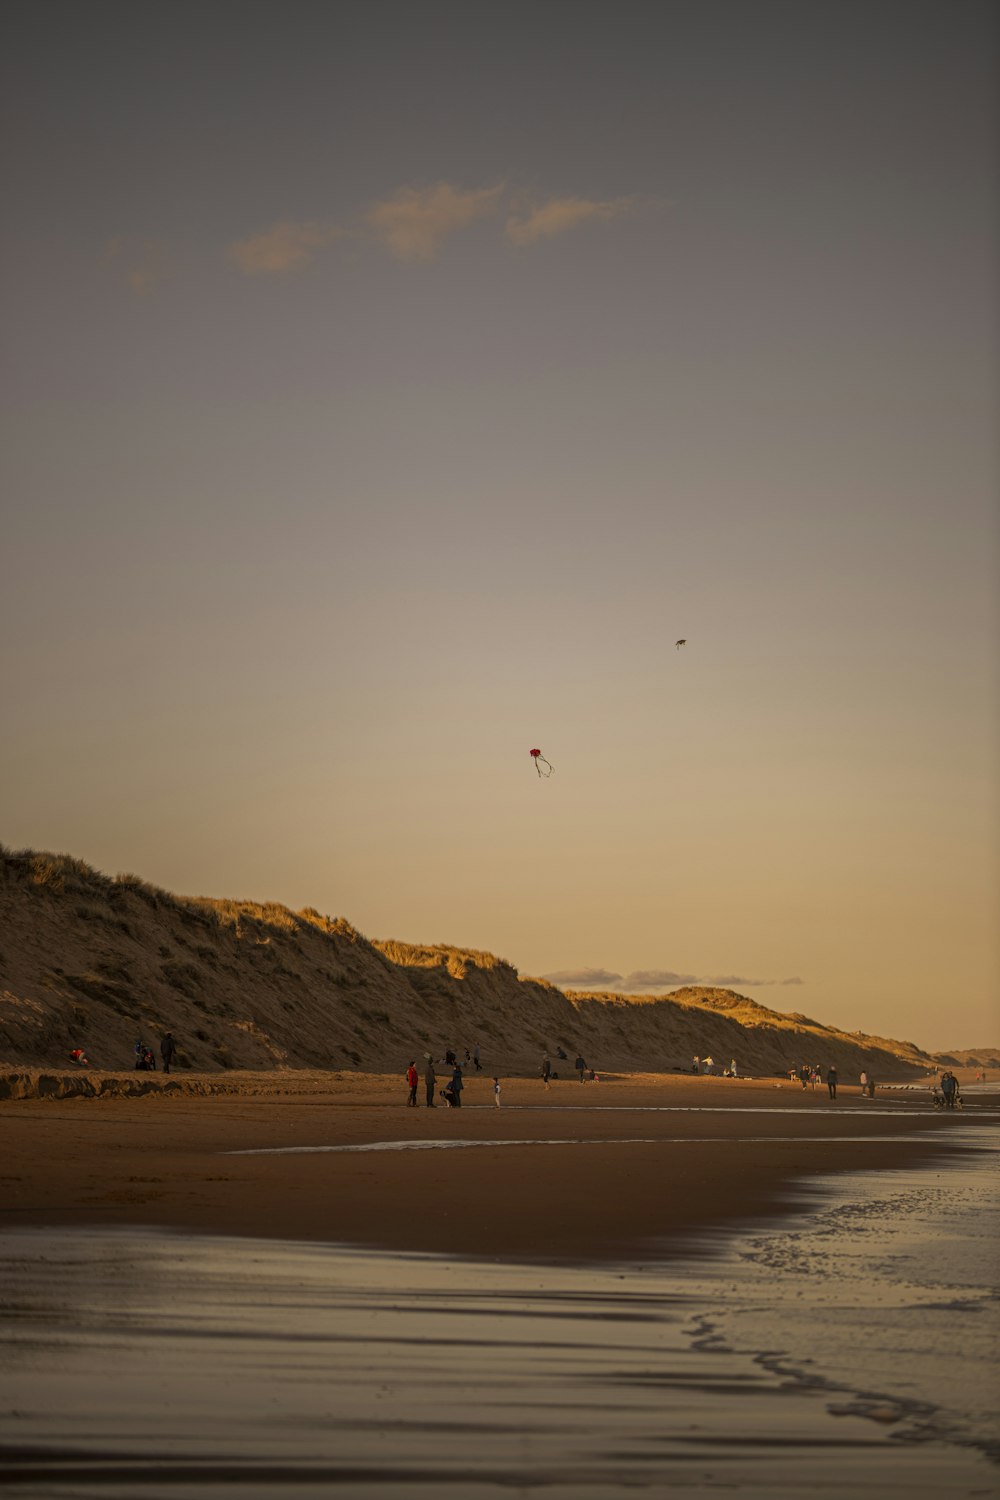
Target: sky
column 388, row 387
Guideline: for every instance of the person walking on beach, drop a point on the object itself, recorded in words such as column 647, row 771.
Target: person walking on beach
column 871, row 1087
column 496, row 1092
column 430, row 1078
column 580, row 1066
column 167, row 1050
column 949, row 1088
column 475, row 1058
column 864, row 1085
column 412, row 1079
column 831, row 1082
column 732, row 1068
column 696, row 1066
column 546, row 1070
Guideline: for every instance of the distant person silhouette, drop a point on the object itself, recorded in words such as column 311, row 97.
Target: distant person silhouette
column 167, row 1050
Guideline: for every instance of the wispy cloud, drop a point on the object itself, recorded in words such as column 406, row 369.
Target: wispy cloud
column 286, row 246
column 589, row 978
column 655, row 979
column 415, row 222
column 526, row 225
column 144, row 264
column 726, row 981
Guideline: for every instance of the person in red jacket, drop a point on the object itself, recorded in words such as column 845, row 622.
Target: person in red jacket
column 412, row 1079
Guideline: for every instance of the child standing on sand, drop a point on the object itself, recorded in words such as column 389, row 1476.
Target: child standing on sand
column 496, row 1092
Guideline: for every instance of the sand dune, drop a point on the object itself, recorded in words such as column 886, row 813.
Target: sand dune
column 93, row 961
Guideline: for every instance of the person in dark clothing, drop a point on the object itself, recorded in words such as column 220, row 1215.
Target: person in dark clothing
column 455, row 1088
column 831, row 1082
column 475, row 1058
column 546, row 1070
column 949, row 1088
column 167, row 1050
column 580, row 1066
column 430, row 1078
column 149, row 1060
column 140, row 1055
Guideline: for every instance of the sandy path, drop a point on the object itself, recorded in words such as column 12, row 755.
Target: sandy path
column 622, row 1176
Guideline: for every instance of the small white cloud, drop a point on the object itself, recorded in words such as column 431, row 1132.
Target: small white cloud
column 415, row 222
column 286, row 246
column 558, row 215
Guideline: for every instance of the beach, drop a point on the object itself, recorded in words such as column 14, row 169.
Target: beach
column 661, row 1284
column 626, row 1167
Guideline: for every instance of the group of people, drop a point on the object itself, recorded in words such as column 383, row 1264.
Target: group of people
column 451, row 1093
column 811, row 1076
column 808, row 1074
column 580, row 1065
column 947, row 1095
column 145, row 1057
column 707, row 1065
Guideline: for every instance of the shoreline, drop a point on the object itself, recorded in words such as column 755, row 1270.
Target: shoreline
column 676, row 1375
column 643, row 1166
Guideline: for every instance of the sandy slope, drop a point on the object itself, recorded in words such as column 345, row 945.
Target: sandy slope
column 92, row 961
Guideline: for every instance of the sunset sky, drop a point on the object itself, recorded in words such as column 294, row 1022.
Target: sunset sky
column 388, row 387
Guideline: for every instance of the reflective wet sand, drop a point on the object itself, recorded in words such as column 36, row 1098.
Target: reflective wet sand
column 797, row 1359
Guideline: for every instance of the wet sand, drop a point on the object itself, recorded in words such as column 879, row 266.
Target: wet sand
column 841, row 1354
column 183, row 1320
column 580, row 1173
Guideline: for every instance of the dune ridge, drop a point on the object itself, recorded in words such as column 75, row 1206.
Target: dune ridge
column 97, row 961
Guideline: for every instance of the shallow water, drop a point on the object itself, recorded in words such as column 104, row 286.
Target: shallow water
column 638, row 1140
column 886, row 1287
column 835, row 1354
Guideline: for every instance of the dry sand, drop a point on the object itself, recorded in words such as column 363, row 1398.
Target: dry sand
column 631, row 1166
